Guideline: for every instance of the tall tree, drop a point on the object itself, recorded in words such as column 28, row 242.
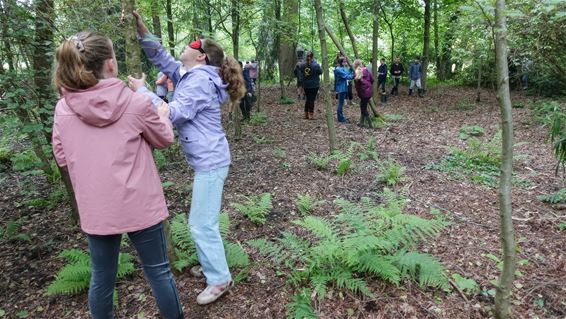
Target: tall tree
column 436, row 40
column 505, row 286
column 374, row 47
column 170, row 31
column 235, row 14
column 287, row 42
column 156, row 20
column 347, row 26
column 426, row 44
column 326, row 76
column 133, row 54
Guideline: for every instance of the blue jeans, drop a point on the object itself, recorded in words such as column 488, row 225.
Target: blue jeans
column 151, row 246
column 205, row 227
column 339, row 110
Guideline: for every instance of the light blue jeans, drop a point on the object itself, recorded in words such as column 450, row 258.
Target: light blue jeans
column 205, row 227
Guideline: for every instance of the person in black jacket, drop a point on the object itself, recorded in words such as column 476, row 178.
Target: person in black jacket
column 381, row 79
column 397, row 71
column 246, row 101
column 310, row 72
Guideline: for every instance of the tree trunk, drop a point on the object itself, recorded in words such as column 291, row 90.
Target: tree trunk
column 426, row 44
column 374, row 48
column 347, row 26
column 234, row 11
column 505, row 286
column 6, row 45
column 436, row 41
column 170, row 31
column 326, row 76
column 133, row 54
column 44, row 26
column 390, row 27
column 156, row 20
column 478, row 93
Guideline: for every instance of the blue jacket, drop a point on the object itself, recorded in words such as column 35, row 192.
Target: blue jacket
column 382, row 72
column 195, row 109
column 311, row 75
column 415, row 71
column 248, row 80
column 342, row 75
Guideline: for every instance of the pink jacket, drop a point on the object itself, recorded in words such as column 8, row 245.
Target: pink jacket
column 104, row 135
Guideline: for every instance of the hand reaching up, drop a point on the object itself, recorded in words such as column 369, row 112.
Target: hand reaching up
column 136, row 84
column 142, row 29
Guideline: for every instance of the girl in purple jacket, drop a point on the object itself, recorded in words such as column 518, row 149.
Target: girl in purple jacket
column 204, row 78
column 363, row 80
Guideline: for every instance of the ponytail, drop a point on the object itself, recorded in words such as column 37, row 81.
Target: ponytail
column 79, row 61
column 231, row 73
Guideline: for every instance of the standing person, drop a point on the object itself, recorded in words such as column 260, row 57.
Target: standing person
column 397, row 71
column 210, row 80
column 299, row 77
column 253, row 71
column 161, row 87
column 415, row 72
column 381, row 79
column 166, row 81
column 310, row 72
column 342, row 74
column 246, row 101
column 103, row 134
column 364, row 86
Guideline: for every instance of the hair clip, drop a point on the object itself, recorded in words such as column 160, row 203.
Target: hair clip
column 78, row 43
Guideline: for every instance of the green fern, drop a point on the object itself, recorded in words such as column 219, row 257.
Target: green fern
column 256, row 208
column 74, row 277
column 305, row 204
column 321, row 162
column 301, row 307
column 343, row 166
column 363, row 240
column 554, row 198
column 391, row 173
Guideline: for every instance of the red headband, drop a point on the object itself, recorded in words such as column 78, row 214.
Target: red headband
column 197, row 45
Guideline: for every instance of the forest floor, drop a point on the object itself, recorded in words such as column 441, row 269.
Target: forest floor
column 273, row 157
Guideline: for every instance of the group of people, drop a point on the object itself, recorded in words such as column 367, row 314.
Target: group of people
column 308, row 74
column 104, row 133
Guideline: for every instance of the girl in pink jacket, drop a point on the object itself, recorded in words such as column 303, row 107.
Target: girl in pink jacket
column 103, row 134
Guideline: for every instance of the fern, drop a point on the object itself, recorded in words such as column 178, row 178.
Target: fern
column 343, row 166
column 301, row 306
column 74, row 277
column 555, row 198
column 305, row 204
column 256, row 208
column 391, row 173
column 422, row 267
column 236, row 256
column 321, row 162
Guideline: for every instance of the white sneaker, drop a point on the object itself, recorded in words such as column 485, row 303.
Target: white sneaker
column 213, row 292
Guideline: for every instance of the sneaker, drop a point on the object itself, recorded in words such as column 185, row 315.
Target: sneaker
column 213, row 292
column 196, row 271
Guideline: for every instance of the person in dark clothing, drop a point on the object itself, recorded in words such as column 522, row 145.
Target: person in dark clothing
column 299, row 76
column 415, row 72
column 364, row 82
column 246, row 101
column 397, row 71
column 310, row 72
column 381, row 78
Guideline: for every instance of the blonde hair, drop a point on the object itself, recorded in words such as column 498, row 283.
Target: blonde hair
column 358, row 67
column 79, row 61
column 230, row 70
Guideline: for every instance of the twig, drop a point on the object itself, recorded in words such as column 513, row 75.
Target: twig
column 458, row 289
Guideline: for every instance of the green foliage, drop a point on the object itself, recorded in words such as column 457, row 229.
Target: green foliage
column 258, row 118
column 343, row 166
column 556, row 198
column 279, row 152
column 263, row 139
column 256, row 208
column 470, row 130
column 390, row 117
column 562, row 226
column 159, row 158
column 321, row 162
column 185, row 248
column 25, row 161
column 466, row 285
column 12, row 231
column 463, row 105
column 286, row 100
column 391, row 173
column 364, row 240
column 301, row 306
column 305, row 204
column 74, row 277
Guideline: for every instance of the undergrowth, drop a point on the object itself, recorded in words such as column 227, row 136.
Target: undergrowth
column 256, row 208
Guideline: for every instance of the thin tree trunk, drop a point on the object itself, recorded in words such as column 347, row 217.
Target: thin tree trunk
column 374, row 49
column 6, row 45
column 426, row 44
column 326, row 76
column 478, row 93
column 390, row 27
column 436, row 41
column 234, row 10
column 347, row 26
column 505, row 286
column 156, row 20
column 133, row 54
column 170, row 31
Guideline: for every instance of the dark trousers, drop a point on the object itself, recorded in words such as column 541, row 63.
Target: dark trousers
column 310, row 93
column 364, row 106
column 152, row 250
column 395, row 89
column 381, row 83
column 246, row 107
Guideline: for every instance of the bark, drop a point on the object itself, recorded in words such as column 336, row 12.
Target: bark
column 426, row 44
column 478, row 93
column 391, row 34
column 133, row 54
column 6, row 45
column 348, row 30
column 170, row 31
column 156, row 20
column 235, row 14
column 325, row 88
column 505, row 286
column 374, row 47
column 436, row 41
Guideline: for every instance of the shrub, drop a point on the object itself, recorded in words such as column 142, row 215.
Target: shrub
column 256, row 208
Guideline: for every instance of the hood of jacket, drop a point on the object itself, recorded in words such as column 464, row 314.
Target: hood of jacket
column 213, row 73
column 102, row 104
